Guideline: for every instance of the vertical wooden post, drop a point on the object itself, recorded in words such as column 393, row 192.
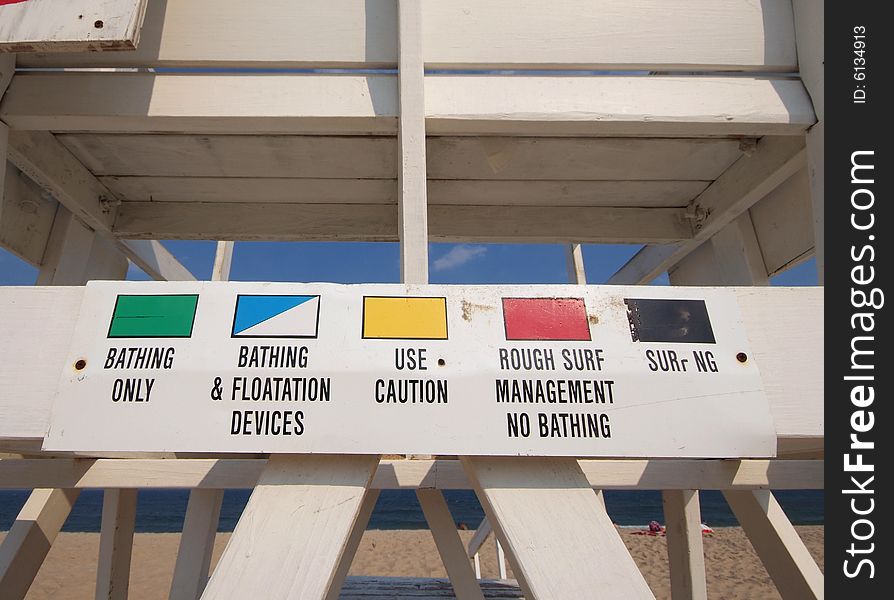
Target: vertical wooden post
column 411, row 175
column 739, row 254
column 685, row 552
column 295, row 529
column 119, row 511
column 75, row 254
column 776, row 542
column 809, row 27
column 450, row 546
column 29, row 539
column 223, row 260
column 196, row 544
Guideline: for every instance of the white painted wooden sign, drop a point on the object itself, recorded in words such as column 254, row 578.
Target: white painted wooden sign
column 468, row 370
column 70, row 25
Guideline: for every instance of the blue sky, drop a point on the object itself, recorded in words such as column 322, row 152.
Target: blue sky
column 346, row 262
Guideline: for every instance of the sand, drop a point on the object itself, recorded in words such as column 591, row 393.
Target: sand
column 733, row 569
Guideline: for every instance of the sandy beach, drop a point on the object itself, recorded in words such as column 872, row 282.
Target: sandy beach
column 733, row 569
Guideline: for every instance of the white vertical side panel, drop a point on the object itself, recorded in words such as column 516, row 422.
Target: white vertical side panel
column 685, row 551
column 412, row 194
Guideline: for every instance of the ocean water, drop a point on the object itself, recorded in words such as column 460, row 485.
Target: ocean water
column 163, row 510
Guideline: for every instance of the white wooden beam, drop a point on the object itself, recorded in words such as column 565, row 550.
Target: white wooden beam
column 155, row 260
column 219, row 473
column 559, row 539
column 411, row 175
column 574, row 260
column 783, row 553
column 344, row 564
column 369, row 104
column 739, row 253
column 42, row 158
column 362, row 222
column 449, row 544
column 119, row 511
column 196, row 544
column 75, row 254
column 304, row 508
column 223, row 260
column 30, row 537
column 26, row 215
column 785, row 337
column 641, row 35
column 685, row 551
column 748, row 180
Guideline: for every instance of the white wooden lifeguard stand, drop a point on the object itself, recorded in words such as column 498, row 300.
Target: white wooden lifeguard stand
column 715, row 164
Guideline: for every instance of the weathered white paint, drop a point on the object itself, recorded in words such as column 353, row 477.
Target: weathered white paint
column 75, row 26
column 30, row 537
column 783, row 224
column 748, row 180
column 119, row 511
column 26, row 215
column 369, row 104
column 207, row 473
column 321, row 497
column 449, row 545
column 223, row 260
column 155, row 260
column 685, row 551
column 42, row 158
column 75, row 254
column 364, row 222
column 370, row 498
column 642, row 412
column 809, row 20
column 785, row 338
column 778, row 545
column 553, row 552
column 739, row 254
column 574, row 259
column 642, row 35
column 412, row 203
column 196, row 544
column 642, row 194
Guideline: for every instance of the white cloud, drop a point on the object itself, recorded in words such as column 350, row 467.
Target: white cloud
column 458, row 256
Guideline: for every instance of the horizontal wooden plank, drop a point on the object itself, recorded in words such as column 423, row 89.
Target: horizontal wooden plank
column 783, row 223
column 489, row 158
column 26, row 217
column 367, row 104
column 212, row 473
column 785, row 331
column 623, row 106
column 206, row 103
column 652, row 194
column 378, row 222
column 72, row 26
column 690, row 35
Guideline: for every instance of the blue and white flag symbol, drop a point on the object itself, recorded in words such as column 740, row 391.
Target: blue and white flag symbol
column 276, row 316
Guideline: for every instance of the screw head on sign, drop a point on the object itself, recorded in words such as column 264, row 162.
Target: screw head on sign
column 741, row 357
column 98, row 24
column 80, row 364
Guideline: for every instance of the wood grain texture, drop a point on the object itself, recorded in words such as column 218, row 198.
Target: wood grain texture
column 685, row 551
column 319, row 496
column 364, row 222
column 214, row 473
column 351, row 104
column 29, row 539
column 26, row 217
column 119, row 512
column 553, row 529
column 75, row 26
column 196, row 544
column 640, row 35
column 344, row 564
column 750, row 179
